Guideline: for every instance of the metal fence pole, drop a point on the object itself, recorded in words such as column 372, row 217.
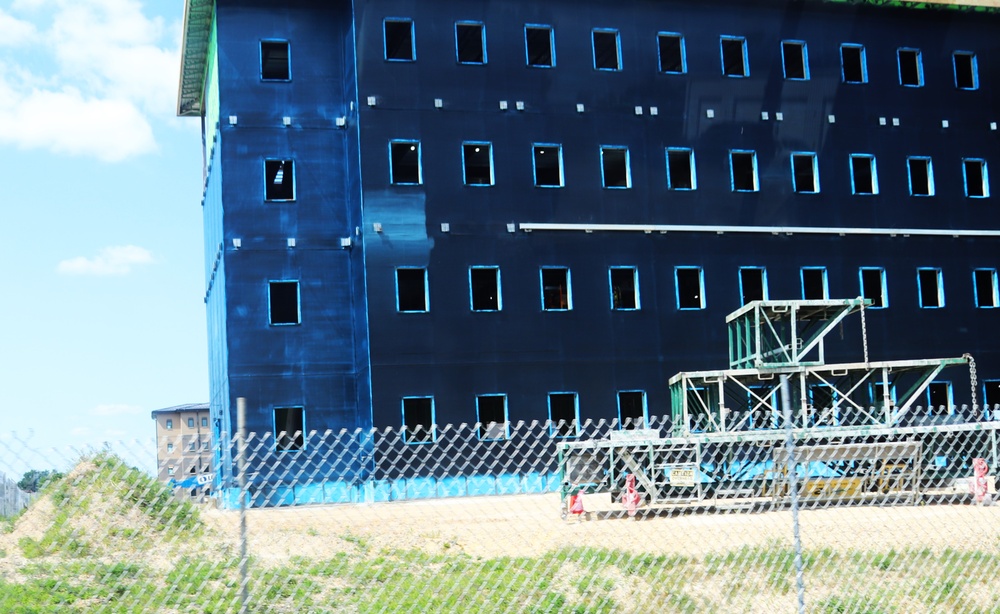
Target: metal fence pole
column 793, row 487
column 241, row 461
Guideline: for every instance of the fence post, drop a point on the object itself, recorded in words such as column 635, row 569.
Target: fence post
column 793, row 488
column 241, row 461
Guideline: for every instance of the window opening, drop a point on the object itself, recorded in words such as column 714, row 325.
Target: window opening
column 753, row 284
column 805, row 179
column 283, row 302
column 795, row 60
column 921, row 176
column 985, row 284
column 939, row 398
column 404, row 162
column 274, row 61
column 190, row 423
column 853, row 64
column 864, row 180
column 470, row 42
column 289, row 428
column 399, row 40
column 911, row 72
column 492, row 416
column 556, row 289
column 814, row 284
column 690, row 288
column 873, row 286
column 170, row 425
column 484, row 283
column 548, row 166
column 930, row 288
column 204, row 422
column 418, row 420
column 563, row 414
column 966, row 70
column 977, row 183
column 743, row 166
column 991, row 396
column 607, row 52
column 538, row 41
column 279, row 180
column 615, row 167
column 671, row 52
column 478, row 163
column 411, row 289
column 631, row 409
column 624, row 288
column 192, row 446
column 170, row 447
column 734, row 56
column 170, row 470
column 680, row 169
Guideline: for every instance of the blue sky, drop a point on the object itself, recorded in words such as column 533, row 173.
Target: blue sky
column 101, row 233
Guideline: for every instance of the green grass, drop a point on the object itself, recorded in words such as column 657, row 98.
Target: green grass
column 579, row 580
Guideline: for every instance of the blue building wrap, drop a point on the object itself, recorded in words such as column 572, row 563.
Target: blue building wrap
column 381, row 100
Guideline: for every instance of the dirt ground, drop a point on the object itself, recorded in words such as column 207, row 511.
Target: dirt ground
column 529, row 525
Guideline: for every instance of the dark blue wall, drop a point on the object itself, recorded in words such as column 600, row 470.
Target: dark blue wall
column 454, row 354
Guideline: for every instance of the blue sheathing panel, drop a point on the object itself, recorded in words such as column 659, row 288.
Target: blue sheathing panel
column 452, row 487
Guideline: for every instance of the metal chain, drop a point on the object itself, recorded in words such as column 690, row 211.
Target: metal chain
column 973, row 379
column 864, row 328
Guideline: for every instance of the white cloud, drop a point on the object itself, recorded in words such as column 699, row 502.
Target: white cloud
column 86, row 77
column 117, row 260
column 116, row 410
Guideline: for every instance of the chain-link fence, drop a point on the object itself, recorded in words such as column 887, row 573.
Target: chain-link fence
column 12, row 498
column 520, row 518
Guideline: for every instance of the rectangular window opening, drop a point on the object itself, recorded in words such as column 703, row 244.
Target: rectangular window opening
column 921, row 176
column 485, row 287
column 492, row 416
column 548, row 166
column 279, row 180
column 864, row 180
column 631, row 409
column 985, row 283
column 743, row 166
column 404, row 162
column 478, row 163
column 991, row 397
column 607, row 54
column 615, row 167
column 190, row 423
column 753, row 284
column 563, row 419
column 170, row 447
column 873, row 287
column 274, row 61
column 671, row 51
column 283, row 302
column 966, row 70
column 930, row 288
column 418, row 419
column 814, row 284
column 399, row 40
column 538, row 41
column 624, row 288
column 556, row 289
column 853, row 65
column 911, row 72
column 977, row 183
column 289, row 428
column 680, row 169
column 170, row 425
column 734, row 57
column 805, row 179
column 204, row 422
column 939, row 398
column 690, row 288
column 470, row 43
column 795, row 60
column 411, row 289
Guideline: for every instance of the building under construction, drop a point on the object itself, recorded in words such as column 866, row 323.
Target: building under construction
column 493, row 211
